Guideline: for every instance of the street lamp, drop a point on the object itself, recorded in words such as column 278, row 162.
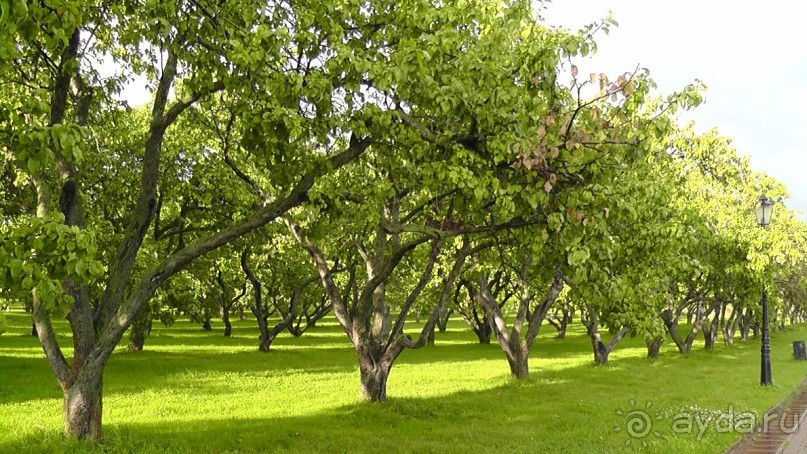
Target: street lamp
column 764, row 210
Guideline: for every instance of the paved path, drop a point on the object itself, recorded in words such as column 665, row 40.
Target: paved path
column 784, row 434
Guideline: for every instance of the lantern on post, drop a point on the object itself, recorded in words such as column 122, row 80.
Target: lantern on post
column 764, row 211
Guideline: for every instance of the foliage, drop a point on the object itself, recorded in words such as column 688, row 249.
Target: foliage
column 37, row 254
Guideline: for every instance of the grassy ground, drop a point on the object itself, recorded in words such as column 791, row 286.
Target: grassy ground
column 196, row 391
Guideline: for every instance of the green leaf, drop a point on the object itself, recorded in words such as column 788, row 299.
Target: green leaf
column 34, row 165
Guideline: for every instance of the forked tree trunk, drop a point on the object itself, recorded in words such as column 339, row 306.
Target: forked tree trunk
column 560, row 320
column 601, row 350
column 83, row 404
column 671, row 322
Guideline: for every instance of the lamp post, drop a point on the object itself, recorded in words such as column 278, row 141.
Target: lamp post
column 764, row 210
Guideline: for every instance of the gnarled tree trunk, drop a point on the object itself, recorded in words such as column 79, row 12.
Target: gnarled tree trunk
column 373, row 379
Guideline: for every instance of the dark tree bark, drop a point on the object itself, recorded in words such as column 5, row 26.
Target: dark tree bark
column 141, row 328
column 310, row 312
column 258, row 308
column 747, row 318
column 601, row 350
column 262, row 313
column 442, row 320
column 589, row 319
column 226, row 301
column 475, row 314
column 228, row 326
column 430, row 338
column 653, row 348
column 671, row 314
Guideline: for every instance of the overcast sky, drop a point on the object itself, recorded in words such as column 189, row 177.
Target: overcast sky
column 752, row 57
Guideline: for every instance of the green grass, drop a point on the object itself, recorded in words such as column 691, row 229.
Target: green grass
column 196, row 391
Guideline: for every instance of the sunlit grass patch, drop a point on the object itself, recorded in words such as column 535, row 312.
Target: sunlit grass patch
column 196, row 391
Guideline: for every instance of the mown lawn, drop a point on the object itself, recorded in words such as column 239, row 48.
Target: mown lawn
column 196, row 391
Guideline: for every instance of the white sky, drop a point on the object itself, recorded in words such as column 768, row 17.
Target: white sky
column 751, row 55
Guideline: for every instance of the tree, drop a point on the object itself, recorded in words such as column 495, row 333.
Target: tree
column 63, row 99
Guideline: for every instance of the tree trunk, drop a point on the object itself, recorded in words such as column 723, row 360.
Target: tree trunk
column 710, row 329
column 373, row 380
column 141, row 328
column 745, row 327
column 589, row 319
column 82, row 405
column 560, row 320
column 33, row 330
column 430, row 338
column 602, row 351
column 483, row 333
column 710, row 337
column 519, row 363
column 671, row 322
column 225, row 318
column 442, row 320
column 206, row 325
column 653, row 348
column 729, row 326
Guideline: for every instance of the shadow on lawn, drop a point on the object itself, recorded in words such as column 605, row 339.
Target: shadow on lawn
column 550, row 412
column 454, row 422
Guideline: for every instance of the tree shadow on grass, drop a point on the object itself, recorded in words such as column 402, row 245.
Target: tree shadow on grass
column 541, row 414
column 454, row 422
column 573, row 409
